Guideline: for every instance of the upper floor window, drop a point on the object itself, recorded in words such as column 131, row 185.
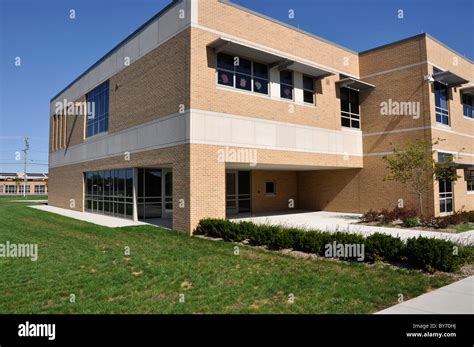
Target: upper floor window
column 350, row 114
column 468, row 105
column 98, row 122
column 242, row 73
column 286, row 84
column 441, row 103
column 308, row 89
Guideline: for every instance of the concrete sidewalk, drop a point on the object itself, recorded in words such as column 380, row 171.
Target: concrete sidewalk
column 458, row 297
column 99, row 219
column 347, row 222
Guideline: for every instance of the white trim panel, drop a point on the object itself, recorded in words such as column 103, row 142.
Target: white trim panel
column 161, row 133
column 230, row 130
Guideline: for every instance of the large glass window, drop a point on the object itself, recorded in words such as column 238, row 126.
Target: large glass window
column 308, row 89
column 468, row 105
column 110, row 192
column 286, row 84
column 350, row 110
column 242, row 73
column 441, row 103
column 98, row 121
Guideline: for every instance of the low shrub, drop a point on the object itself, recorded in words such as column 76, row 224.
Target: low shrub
column 387, row 216
column 433, row 254
column 411, row 222
column 467, row 216
column 434, row 222
column 423, row 253
column 370, row 216
column 384, row 247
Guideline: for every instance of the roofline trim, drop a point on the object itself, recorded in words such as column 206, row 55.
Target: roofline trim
column 119, row 45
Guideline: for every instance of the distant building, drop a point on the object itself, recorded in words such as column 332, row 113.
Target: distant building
column 14, row 183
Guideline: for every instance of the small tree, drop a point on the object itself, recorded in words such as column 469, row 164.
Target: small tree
column 414, row 165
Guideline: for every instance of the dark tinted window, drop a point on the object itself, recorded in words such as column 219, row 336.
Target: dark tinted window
column 270, row 187
column 225, row 61
column 260, row 70
column 244, row 66
column 286, row 77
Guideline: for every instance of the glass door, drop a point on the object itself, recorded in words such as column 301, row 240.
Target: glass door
column 231, row 192
column 149, row 193
column 168, row 193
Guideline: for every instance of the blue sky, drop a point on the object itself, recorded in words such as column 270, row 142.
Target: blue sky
column 55, row 49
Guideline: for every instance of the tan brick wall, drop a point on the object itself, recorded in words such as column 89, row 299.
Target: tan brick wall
column 357, row 191
column 406, row 85
column 207, row 184
column 462, row 199
column 458, row 137
column 233, row 21
column 393, row 56
column 153, row 86
column 286, row 189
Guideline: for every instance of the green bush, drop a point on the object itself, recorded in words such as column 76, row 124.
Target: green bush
column 423, row 253
column 263, row 235
column 383, row 247
column 433, row 254
column 411, row 222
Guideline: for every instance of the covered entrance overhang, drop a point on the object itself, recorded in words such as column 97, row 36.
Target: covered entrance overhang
column 268, row 189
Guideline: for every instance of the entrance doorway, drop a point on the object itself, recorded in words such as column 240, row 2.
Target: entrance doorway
column 237, row 186
column 154, row 193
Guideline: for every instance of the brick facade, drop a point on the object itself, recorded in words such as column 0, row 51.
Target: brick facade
column 179, row 77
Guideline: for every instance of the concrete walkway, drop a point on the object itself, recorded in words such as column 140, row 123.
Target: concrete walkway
column 99, row 219
column 346, row 222
column 458, row 297
column 31, row 200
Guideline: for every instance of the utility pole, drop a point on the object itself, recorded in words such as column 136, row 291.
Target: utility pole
column 27, row 147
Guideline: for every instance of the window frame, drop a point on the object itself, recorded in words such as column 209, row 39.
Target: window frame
column 98, row 118
column 469, row 178
column 468, row 107
column 349, row 114
column 292, row 85
column 117, row 199
column 234, row 73
column 441, row 113
column 313, row 91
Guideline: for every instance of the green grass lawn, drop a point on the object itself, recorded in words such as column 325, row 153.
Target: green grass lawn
column 20, row 197
column 88, row 261
column 460, row 228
